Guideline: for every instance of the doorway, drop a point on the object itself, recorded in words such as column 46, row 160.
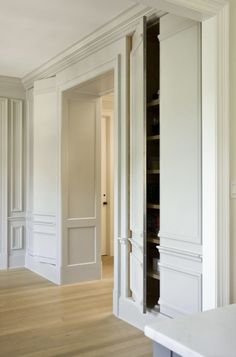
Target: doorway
column 87, row 180
column 107, row 185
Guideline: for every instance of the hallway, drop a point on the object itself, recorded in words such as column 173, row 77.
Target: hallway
column 40, row 319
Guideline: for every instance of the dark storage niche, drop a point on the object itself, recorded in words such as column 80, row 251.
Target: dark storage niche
column 153, row 165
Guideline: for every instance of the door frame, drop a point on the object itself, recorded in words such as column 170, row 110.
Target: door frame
column 214, row 16
column 112, row 65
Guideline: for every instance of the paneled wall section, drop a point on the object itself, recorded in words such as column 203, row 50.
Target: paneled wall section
column 12, row 183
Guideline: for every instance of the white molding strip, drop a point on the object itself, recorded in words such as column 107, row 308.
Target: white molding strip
column 223, row 189
column 119, row 27
column 16, row 155
column 11, row 83
column 197, row 10
column 47, row 270
column 180, row 253
column 3, row 182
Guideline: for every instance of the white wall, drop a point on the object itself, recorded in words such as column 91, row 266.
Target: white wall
column 233, row 142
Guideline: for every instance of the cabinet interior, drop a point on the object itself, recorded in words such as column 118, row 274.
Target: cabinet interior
column 152, row 164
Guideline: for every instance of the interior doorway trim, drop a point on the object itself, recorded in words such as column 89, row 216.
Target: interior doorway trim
column 214, row 16
column 112, row 65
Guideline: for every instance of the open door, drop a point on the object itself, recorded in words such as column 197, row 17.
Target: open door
column 81, row 189
column 138, row 166
column 180, row 166
column 43, row 242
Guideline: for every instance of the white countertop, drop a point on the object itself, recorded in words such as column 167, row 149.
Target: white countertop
column 209, row 334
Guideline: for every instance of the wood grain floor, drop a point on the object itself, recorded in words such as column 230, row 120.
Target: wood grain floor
column 40, row 319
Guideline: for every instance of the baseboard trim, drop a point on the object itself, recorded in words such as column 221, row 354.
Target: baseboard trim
column 3, row 262
column 75, row 275
column 47, row 271
column 132, row 314
column 16, row 261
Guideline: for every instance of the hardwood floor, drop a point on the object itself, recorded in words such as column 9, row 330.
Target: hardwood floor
column 40, row 319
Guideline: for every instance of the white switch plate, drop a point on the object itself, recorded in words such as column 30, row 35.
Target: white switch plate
column 233, row 189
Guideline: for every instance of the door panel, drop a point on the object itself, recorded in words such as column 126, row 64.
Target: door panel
column 81, row 159
column 180, row 166
column 44, row 243
column 138, row 161
column 82, row 186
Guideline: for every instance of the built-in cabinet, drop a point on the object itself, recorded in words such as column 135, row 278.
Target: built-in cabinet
column 152, row 216
column 165, row 175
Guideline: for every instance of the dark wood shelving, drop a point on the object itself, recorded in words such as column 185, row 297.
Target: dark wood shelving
column 153, row 239
column 153, row 137
column 153, row 274
column 153, row 206
column 153, row 103
column 153, row 172
column 152, row 167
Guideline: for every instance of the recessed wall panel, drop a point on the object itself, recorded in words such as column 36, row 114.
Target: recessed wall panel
column 81, row 158
column 82, row 245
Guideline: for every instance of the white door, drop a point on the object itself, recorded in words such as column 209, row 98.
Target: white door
column 81, row 189
column 180, row 166
column 138, row 167
column 104, row 197
column 44, row 242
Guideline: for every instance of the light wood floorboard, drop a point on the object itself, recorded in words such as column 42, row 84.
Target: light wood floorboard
column 40, row 319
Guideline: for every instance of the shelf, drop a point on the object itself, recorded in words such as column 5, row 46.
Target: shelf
column 154, row 275
column 153, row 239
column 151, row 172
column 153, row 103
column 153, row 137
column 153, row 206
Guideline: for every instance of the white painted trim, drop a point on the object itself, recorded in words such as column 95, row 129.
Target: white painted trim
column 132, row 314
column 3, row 261
column 16, row 178
column 16, row 261
column 216, row 238
column 11, row 82
column 184, row 254
column 198, row 10
column 46, row 270
column 116, row 29
column 4, row 182
column 223, row 158
column 112, row 64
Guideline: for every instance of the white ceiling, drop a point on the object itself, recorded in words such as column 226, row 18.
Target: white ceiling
column 34, row 31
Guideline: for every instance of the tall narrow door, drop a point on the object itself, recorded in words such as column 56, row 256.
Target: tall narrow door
column 180, row 166
column 138, row 166
column 81, row 189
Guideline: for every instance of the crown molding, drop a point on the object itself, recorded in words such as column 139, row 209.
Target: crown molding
column 198, row 10
column 119, row 27
column 10, row 82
